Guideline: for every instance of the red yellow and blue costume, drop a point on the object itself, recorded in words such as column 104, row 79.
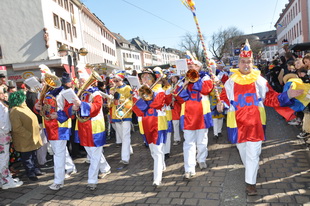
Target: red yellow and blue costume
column 195, row 120
column 244, row 95
column 58, row 131
column 153, row 126
column 91, row 133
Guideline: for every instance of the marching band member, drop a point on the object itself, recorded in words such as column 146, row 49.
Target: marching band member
column 244, row 94
column 123, row 93
column 90, row 127
column 168, row 98
column 218, row 117
column 176, row 110
column 154, row 122
column 195, row 118
column 57, row 127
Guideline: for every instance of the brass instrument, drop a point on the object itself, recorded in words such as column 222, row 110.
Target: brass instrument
column 145, row 92
column 51, row 82
column 191, row 76
column 81, row 92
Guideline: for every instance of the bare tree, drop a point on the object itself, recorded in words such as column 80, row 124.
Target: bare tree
column 192, row 43
column 224, row 41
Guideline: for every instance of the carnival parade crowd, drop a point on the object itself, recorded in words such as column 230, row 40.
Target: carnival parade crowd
column 34, row 121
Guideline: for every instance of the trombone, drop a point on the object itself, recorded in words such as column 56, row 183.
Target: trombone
column 145, row 92
column 191, row 76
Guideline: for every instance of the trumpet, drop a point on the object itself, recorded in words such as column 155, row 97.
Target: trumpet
column 191, row 76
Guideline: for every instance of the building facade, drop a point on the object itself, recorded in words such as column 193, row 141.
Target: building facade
column 129, row 57
column 294, row 22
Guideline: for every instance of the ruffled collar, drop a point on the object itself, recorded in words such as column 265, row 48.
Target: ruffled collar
column 244, row 79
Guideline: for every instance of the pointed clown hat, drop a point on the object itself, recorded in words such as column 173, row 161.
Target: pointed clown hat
column 120, row 74
column 158, row 72
column 191, row 59
column 44, row 70
column 246, row 50
column 83, row 73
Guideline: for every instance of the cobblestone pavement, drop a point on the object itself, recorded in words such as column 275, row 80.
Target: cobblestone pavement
column 283, row 177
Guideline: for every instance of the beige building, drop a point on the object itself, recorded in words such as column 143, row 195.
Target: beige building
column 294, row 23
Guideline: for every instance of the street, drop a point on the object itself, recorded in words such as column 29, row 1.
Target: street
column 283, row 177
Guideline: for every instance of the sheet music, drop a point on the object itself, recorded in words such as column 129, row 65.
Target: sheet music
column 69, row 95
column 181, row 66
column 134, row 82
column 33, row 83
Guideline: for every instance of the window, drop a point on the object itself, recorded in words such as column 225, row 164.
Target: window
column 56, row 21
column 74, row 31
column 69, row 31
column 63, row 28
column 66, row 4
column 60, row 2
column 71, row 8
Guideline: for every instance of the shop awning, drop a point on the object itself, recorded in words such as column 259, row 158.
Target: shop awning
column 300, row 47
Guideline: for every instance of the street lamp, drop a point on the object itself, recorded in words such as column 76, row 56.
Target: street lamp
column 63, row 51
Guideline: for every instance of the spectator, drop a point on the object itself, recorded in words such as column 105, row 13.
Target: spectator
column 25, row 133
column 6, row 179
column 3, row 86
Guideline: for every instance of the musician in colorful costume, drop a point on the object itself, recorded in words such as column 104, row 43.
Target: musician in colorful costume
column 154, row 122
column 195, row 118
column 176, row 110
column 245, row 93
column 90, row 128
column 122, row 117
column 57, row 128
column 168, row 97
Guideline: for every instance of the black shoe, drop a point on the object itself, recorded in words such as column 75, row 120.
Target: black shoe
column 167, row 156
column 39, row 173
column 220, row 135
column 46, row 166
column 216, row 137
column 118, row 145
column 33, row 178
column 146, row 145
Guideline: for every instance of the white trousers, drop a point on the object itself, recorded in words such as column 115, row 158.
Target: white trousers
column 104, row 165
column 193, row 139
column 217, row 125
column 97, row 161
column 60, row 147
column 69, row 166
column 123, row 132
column 167, row 145
column 176, row 130
column 61, row 158
column 159, row 162
column 249, row 153
column 118, row 137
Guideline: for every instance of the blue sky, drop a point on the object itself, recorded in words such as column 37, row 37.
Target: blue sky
column 164, row 22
